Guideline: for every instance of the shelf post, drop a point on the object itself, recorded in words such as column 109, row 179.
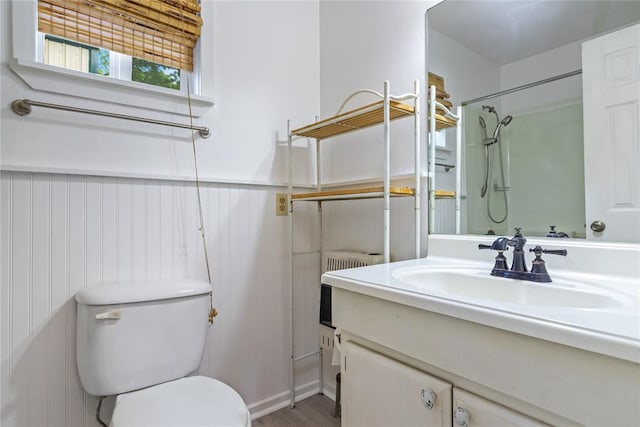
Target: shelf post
column 292, row 383
column 417, row 171
column 432, row 158
column 387, row 175
column 458, row 167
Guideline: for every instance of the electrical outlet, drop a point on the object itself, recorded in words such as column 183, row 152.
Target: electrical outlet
column 326, row 337
column 282, row 204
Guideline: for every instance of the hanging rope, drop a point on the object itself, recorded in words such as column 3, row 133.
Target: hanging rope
column 212, row 311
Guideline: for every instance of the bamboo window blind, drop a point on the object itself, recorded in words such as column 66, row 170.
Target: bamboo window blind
column 160, row 31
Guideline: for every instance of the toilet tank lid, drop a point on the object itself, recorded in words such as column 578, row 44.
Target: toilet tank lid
column 131, row 292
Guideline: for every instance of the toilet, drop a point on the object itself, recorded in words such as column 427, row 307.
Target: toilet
column 142, row 342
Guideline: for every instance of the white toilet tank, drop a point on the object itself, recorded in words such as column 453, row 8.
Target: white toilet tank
column 138, row 334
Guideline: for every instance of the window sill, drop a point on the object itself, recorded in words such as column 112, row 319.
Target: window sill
column 46, row 78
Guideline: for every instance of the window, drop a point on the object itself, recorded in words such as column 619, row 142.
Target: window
column 28, row 43
column 441, row 139
column 162, row 32
column 158, row 37
column 154, row 74
column 75, row 56
column 88, row 59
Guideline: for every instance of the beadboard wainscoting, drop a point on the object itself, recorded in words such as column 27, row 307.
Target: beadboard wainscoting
column 61, row 233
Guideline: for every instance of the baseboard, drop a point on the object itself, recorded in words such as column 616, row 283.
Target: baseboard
column 282, row 400
column 330, row 393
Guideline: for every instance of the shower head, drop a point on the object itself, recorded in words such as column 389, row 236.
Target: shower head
column 503, row 122
column 492, row 109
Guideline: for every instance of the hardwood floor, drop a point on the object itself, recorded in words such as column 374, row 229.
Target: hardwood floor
column 312, row 412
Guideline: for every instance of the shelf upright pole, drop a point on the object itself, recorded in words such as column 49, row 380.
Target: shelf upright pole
column 292, row 383
column 318, row 163
column 387, row 175
column 320, row 239
column 432, row 158
column 458, row 166
column 416, row 142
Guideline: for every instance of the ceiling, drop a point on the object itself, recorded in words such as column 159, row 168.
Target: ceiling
column 505, row 31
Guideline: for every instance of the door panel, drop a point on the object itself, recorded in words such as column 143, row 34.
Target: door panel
column 611, row 95
column 380, row 391
column 478, row 412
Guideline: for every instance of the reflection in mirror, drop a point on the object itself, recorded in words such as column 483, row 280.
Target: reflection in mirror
column 516, row 68
column 524, row 162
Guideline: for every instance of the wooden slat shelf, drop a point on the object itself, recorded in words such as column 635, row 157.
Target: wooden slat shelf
column 443, row 122
column 360, row 118
column 352, row 194
column 445, row 194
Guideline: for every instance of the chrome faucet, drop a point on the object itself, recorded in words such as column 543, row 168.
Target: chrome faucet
column 518, row 268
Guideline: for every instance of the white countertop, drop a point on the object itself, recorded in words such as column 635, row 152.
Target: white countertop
column 612, row 331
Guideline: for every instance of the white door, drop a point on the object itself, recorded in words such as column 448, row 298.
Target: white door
column 472, row 411
column 611, row 94
column 379, row 391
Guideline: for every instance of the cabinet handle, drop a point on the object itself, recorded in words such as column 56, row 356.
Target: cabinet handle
column 428, row 398
column 461, row 416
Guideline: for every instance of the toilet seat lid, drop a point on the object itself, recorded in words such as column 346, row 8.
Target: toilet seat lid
column 191, row 401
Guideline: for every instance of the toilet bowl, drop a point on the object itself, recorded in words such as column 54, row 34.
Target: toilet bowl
column 142, row 342
column 191, row 401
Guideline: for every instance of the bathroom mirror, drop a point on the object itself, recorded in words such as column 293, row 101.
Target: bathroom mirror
column 516, row 69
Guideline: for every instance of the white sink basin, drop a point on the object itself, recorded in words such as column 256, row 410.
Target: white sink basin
column 471, row 283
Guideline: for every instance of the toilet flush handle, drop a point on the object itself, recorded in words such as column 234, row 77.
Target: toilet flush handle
column 111, row 314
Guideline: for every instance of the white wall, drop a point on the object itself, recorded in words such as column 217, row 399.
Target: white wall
column 364, row 43
column 248, row 72
column 538, row 67
column 62, row 232
column 272, row 61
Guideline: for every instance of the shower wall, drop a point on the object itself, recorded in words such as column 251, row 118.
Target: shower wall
column 546, row 154
column 544, row 167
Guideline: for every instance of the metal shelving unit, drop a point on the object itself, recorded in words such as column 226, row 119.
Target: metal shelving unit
column 436, row 122
column 389, row 108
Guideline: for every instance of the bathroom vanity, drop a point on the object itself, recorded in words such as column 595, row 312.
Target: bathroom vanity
column 438, row 341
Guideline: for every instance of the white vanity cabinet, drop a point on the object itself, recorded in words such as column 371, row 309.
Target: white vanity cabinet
column 391, row 351
column 470, row 410
column 380, row 391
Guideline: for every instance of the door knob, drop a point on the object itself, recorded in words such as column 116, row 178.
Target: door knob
column 598, row 226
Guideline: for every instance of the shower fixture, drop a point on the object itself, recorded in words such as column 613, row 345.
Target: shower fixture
column 503, row 122
column 489, row 158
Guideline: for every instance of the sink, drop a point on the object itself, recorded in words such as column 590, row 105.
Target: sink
column 476, row 284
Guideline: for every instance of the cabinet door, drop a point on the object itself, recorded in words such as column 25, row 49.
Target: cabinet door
column 470, row 410
column 380, row 391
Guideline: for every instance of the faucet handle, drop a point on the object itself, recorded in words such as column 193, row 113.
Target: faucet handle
column 538, row 270
column 500, row 244
column 538, row 251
